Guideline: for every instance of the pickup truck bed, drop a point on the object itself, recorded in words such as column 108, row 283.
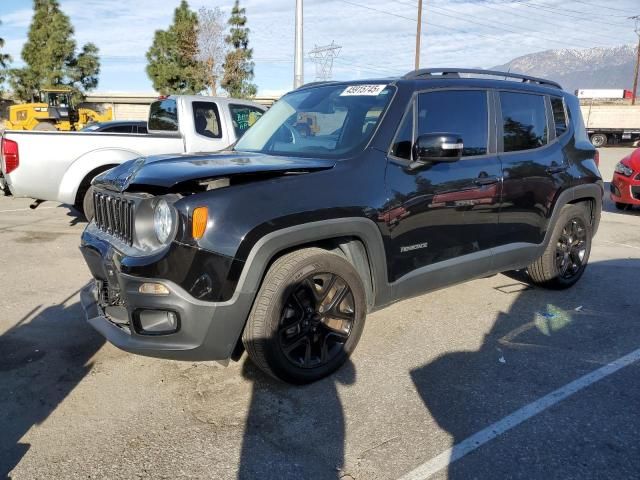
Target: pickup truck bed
column 60, row 166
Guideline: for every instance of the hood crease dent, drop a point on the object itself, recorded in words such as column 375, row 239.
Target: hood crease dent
column 169, row 171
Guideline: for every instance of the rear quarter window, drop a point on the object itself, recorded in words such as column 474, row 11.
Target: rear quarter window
column 524, row 121
column 559, row 115
column 163, row 116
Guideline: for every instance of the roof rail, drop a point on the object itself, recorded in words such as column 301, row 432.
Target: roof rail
column 455, row 73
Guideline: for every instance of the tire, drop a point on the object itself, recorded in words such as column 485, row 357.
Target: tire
column 291, row 333
column 87, row 204
column 45, row 127
column 566, row 256
column 621, row 206
column 599, row 140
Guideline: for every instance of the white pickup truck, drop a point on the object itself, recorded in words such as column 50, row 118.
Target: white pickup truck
column 59, row 166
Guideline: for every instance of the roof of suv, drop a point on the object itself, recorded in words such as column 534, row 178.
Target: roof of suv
column 447, row 74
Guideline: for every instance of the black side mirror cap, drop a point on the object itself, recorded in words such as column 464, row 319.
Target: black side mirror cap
column 438, row 147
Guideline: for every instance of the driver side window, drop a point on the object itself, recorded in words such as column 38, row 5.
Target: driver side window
column 462, row 112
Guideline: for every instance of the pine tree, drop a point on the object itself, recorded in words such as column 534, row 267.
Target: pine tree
column 50, row 55
column 4, row 63
column 173, row 66
column 238, row 67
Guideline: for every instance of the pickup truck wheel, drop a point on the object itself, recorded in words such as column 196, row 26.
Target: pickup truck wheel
column 598, row 140
column 565, row 258
column 307, row 317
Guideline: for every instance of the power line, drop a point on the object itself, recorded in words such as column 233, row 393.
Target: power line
column 564, row 12
column 548, row 22
column 607, row 7
column 495, row 25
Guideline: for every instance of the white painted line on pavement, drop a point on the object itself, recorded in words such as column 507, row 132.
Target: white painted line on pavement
column 23, row 209
column 620, row 244
column 516, row 418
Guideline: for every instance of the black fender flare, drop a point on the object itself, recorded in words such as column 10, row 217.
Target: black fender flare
column 589, row 191
column 272, row 244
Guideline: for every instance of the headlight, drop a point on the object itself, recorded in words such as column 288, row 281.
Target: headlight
column 622, row 169
column 162, row 221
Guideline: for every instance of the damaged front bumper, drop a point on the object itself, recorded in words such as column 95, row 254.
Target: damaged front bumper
column 116, row 306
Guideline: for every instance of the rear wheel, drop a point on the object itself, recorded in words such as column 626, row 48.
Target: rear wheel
column 565, row 258
column 599, row 140
column 307, row 317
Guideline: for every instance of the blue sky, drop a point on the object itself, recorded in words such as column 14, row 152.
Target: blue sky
column 377, row 36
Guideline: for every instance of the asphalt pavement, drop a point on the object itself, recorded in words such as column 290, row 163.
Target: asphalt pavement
column 507, row 380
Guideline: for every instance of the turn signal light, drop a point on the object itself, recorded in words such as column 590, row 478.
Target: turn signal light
column 153, row 289
column 199, row 222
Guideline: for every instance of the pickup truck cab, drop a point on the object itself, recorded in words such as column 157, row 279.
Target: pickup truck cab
column 59, row 166
column 343, row 198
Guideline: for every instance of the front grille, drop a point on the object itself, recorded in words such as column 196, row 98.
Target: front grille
column 114, row 215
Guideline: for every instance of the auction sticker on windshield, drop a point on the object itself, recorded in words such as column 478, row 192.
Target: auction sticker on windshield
column 373, row 90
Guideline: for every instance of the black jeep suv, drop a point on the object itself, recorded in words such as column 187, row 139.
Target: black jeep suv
column 343, row 198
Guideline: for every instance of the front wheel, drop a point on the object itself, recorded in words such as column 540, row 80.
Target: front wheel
column 565, row 257
column 307, row 317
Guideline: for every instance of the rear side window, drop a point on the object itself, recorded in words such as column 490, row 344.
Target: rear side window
column 403, row 142
column 559, row 115
column 163, row 115
column 243, row 117
column 463, row 112
column 207, row 119
column 524, row 120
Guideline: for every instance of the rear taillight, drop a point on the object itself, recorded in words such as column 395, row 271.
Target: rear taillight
column 596, row 158
column 10, row 155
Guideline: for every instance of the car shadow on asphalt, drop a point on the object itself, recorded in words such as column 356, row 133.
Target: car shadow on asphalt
column 42, row 360
column 294, row 432
column 545, row 340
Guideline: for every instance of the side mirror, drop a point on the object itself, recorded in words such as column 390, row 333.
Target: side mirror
column 438, row 147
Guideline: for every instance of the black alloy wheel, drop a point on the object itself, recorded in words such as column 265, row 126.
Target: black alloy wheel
column 571, row 248
column 316, row 321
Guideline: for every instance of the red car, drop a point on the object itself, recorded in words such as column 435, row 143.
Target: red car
column 625, row 186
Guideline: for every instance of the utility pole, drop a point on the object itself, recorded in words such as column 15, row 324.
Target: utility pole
column 635, row 72
column 298, row 65
column 418, row 33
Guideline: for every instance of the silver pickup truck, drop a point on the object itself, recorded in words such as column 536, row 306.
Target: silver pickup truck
column 59, row 166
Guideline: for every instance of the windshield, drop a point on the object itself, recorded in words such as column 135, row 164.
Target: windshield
column 326, row 121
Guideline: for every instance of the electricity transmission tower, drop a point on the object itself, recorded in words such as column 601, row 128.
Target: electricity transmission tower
column 323, row 57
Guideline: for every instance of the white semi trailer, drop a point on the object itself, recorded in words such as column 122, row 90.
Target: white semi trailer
column 611, row 124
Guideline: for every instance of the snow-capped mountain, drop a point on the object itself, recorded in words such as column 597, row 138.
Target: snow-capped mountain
column 597, row 67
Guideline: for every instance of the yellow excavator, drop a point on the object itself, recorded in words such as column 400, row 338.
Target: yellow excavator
column 53, row 110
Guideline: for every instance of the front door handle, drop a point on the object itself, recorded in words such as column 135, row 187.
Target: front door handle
column 486, row 180
column 557, row 169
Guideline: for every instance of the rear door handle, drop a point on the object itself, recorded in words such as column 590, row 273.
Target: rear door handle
column 486, row 180
column 557, row 169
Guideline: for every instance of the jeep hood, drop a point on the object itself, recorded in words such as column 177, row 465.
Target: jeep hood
column 170, row 171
